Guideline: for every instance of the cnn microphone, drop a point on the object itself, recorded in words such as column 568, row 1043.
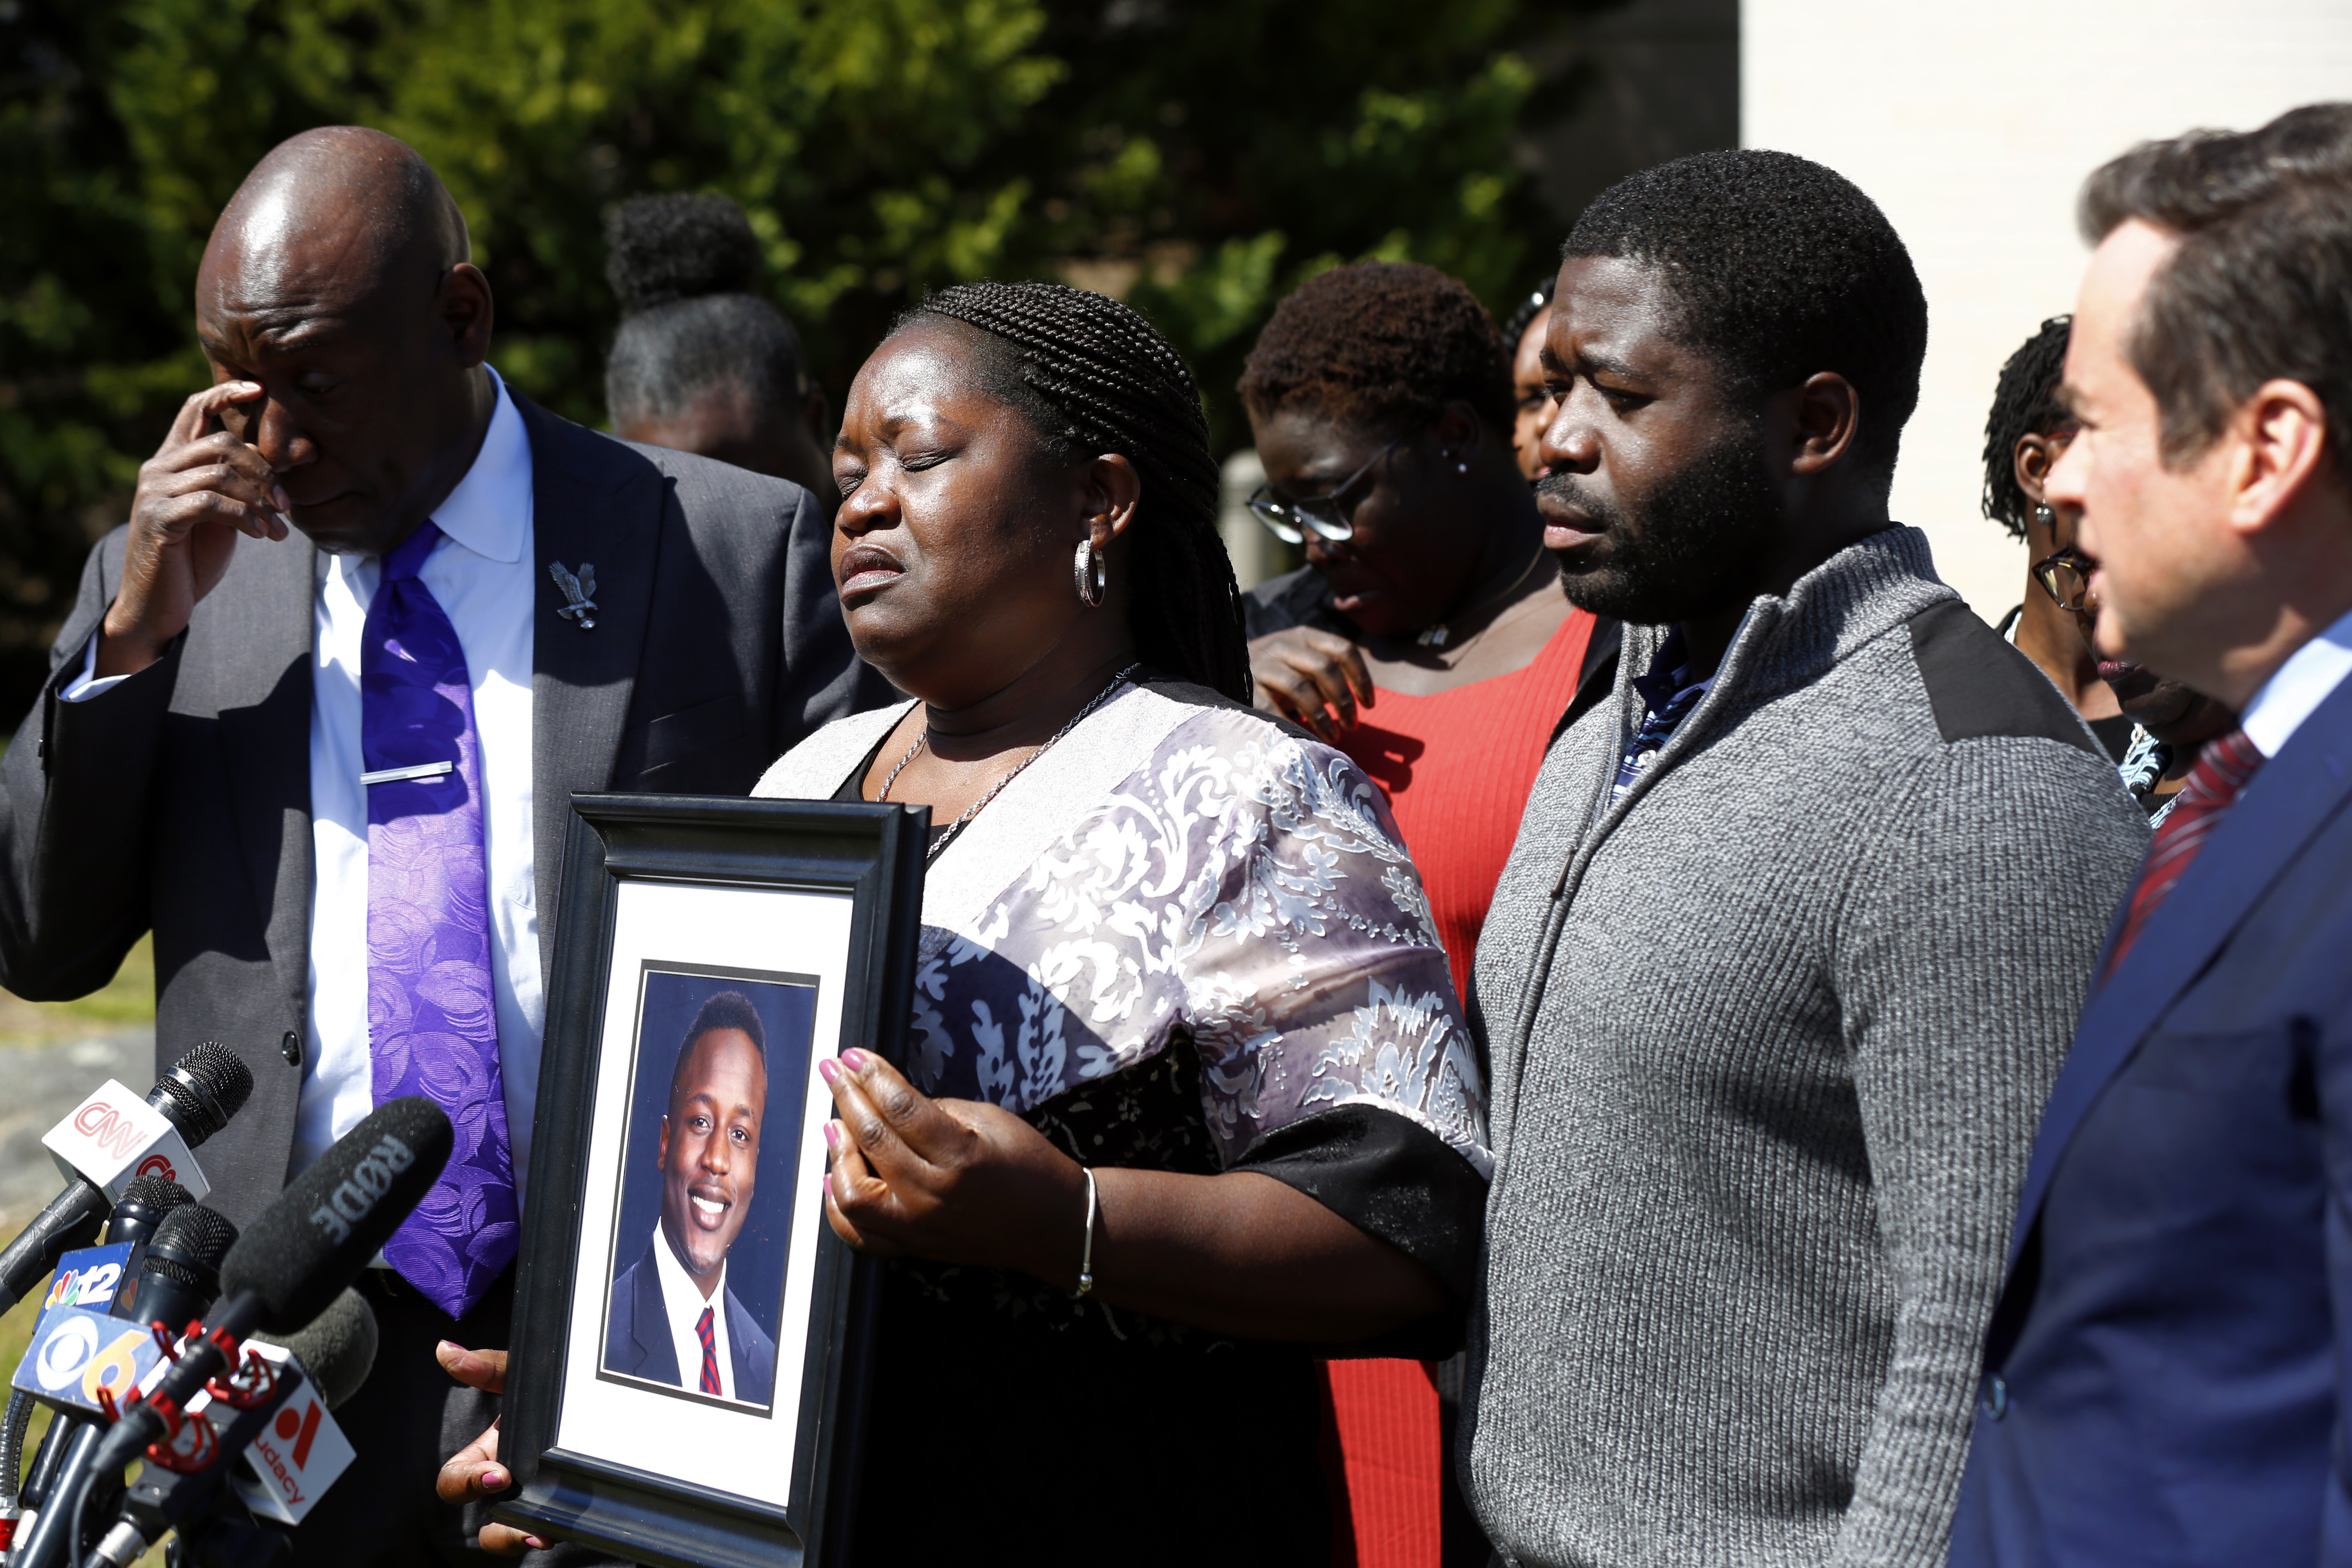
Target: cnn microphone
column 330, row 1359
column 300, row 1254
column 196, row 1097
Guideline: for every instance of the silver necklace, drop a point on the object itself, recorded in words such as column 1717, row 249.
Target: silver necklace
column 998, row 788
column 1435, row 637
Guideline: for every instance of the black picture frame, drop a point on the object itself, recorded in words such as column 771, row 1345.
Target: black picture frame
column 874, row 854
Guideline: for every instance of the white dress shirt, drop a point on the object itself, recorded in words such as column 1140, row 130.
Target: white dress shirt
column 2296, row 689
column 684, row 1303
column 481, row 572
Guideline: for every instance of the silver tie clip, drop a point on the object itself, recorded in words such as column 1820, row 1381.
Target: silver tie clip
column 402, row 775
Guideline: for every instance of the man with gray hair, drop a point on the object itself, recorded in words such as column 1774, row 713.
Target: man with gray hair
column 316, row 715
column 2165, row 1382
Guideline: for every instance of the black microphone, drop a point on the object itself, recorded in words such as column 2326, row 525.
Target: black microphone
column 331, row 1357
column 143, row 1208
column 300, row 1254
column 180, row 1279
column 337, row 1348
column 197, row 1096
column 177, row 1284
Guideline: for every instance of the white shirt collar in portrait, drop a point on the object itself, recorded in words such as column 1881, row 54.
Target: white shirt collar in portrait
column 684, row 1304
column 2296, row 689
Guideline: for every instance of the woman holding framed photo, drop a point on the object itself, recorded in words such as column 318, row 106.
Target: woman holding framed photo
column 1190, row 1099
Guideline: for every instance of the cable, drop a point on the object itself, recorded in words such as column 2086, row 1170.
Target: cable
column 12, row 1427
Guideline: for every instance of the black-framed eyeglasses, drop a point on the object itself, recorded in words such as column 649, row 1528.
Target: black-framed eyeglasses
column 1327, row 517
column 2065, row 576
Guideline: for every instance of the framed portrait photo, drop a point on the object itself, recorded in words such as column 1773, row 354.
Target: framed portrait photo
column 688, row 1333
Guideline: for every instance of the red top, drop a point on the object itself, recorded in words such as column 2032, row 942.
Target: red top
column 1457, row 767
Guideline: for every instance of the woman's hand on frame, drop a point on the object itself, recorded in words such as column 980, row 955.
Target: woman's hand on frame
column 473, row 1473
column 954, row 1181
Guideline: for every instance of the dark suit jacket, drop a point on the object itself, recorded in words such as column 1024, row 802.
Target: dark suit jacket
column 2164, row 1377
column 637, row 1340
column 180, row 800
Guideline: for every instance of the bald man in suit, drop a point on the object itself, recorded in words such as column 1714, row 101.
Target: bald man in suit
column 316, row 716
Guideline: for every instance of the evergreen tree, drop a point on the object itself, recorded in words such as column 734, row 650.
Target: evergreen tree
column 1199, row 158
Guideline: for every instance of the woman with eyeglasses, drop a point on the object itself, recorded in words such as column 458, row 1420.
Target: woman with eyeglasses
column 2025, row 434
column 1428, row 638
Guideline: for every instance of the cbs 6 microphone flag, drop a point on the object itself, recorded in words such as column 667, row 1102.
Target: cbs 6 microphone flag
column 178, row 1279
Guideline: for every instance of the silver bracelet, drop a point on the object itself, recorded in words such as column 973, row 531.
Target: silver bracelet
column 1087, row 1255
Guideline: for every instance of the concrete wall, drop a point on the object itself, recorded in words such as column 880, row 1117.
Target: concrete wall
column 1973, row 126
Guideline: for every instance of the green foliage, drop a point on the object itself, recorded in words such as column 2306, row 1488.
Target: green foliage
column 1201, row 158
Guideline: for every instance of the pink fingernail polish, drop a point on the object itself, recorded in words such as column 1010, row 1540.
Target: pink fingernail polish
column 854, row 1059
column 494, row 1478
column 828, row 1069
column 833, row 1136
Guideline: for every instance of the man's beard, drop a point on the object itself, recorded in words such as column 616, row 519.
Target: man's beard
column 1699, row 547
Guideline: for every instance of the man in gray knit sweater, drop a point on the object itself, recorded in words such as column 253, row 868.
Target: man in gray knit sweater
column 1793, row 937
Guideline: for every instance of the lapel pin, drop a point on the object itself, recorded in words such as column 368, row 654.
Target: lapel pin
column 578, row 593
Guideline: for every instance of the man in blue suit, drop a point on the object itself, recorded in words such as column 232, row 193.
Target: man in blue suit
column 2164, row 1378
column 671, row 1318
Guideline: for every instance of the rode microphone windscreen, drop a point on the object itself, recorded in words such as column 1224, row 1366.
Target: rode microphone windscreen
column 202, row 1090
column 337, row 1348
column 336, row 1216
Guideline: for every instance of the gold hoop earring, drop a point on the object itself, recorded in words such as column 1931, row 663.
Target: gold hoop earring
column 1093, row 576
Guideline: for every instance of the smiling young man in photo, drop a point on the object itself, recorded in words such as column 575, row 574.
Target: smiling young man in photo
column 316, row 718
column 1789, row 947
column 672, row 1319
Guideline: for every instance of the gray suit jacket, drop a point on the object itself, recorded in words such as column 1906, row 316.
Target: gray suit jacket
column 179, row 801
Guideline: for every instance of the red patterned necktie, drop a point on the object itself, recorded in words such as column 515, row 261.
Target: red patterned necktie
column 703, row 1331
column 2222, row 770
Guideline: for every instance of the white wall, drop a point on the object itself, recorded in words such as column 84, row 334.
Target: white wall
column 1973, row 126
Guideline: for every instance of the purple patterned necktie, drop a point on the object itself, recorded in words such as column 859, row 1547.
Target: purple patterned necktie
column 432, row 1023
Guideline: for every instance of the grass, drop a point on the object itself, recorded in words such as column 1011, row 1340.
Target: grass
column 126, row 1000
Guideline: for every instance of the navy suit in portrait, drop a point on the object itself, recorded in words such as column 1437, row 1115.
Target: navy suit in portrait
column 2165, row 1375
column 637, row 1342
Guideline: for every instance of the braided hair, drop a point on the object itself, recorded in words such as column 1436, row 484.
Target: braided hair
column 2024, row 404
column 1094, row 377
